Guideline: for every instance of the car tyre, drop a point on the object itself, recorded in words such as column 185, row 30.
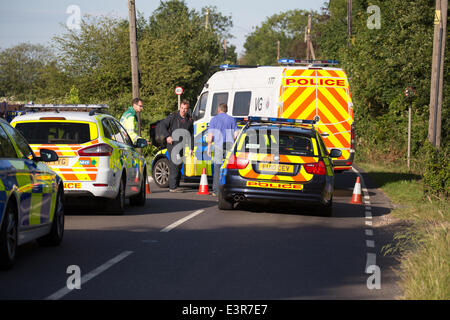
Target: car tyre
column 54, row 238
column 117, row 205
column 8, row 238
column 160, row 173
column 223, row 203
column 140, row 198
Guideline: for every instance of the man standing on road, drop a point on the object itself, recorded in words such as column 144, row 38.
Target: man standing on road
column 223, row 131
column 129, row 119
column 176, row 146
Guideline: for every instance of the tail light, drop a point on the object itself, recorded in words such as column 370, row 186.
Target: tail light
column 315, row 168
column 237, row 163
column 98, row 150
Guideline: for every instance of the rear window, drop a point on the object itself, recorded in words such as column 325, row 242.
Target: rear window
column 55, row 132
column 276, row 142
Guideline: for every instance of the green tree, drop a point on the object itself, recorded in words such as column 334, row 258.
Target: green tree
column 288, row 28
column 28, row 72
column 177, row 50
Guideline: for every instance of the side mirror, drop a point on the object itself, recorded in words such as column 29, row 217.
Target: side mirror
column 141, row 143
column 47, row 156
column 335, row 153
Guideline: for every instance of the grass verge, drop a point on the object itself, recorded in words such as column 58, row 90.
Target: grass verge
column 423, row 248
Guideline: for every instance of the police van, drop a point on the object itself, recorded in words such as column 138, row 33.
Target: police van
column 294, row 89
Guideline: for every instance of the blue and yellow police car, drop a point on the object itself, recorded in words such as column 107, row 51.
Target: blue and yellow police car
column 279, row 160
column 31, row 196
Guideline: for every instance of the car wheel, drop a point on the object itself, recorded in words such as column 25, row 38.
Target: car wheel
column 161, row 172
column 140, row 198
column 8, row 238
column 56, row 234
column 117, row 205
column 223, row 203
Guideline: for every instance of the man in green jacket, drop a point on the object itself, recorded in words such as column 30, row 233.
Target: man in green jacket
column 129, row 119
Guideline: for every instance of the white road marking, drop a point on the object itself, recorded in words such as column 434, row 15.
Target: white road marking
column 84, row 279
column 371, row 257
column 181, row 221
column 371, row 260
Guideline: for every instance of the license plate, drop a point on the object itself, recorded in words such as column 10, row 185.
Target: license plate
column 273, row 167
column 60, row 162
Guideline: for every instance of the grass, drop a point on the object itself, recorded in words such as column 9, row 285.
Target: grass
column 424, row 247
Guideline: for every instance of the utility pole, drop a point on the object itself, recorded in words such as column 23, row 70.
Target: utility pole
column 309, row 45
column 278, row 50
column 134, row 55
column 437, row 73
column 349, row 22
column 207, row 19
column 225, row 49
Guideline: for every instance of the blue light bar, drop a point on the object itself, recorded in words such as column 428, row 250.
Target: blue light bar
column 307, row 62
column 280, row 120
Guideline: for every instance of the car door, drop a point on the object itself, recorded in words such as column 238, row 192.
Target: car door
column 134, row 168
column 35, row 184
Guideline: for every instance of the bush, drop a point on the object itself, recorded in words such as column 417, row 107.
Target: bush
column 437, row 172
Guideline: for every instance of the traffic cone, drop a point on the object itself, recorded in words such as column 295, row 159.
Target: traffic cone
column 203, row 188
column 147, row 188
column 356, row 198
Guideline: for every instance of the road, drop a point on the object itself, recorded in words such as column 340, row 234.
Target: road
column 180, row 246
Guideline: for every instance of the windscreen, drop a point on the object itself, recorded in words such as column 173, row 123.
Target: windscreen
column 274, row 141
column 55, row 132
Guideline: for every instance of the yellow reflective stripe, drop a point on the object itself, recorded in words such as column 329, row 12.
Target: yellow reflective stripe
column 35, row 209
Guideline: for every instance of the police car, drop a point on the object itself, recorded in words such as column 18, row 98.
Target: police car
column 97, row 158
column 31, row 196
column 278, row 159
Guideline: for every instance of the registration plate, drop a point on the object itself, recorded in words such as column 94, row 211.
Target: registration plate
column 273, row 167
column 60, row 162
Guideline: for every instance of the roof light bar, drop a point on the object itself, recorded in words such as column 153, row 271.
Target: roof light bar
column 279, row 120
column 67, row 106
column 287, row 61
column 234, row 66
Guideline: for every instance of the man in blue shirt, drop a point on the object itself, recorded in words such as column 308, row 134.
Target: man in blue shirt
column 223, row 131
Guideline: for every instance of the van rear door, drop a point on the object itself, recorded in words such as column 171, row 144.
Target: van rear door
column 324, row 94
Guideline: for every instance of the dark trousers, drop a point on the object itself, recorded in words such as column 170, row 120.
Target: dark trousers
column 174, row 170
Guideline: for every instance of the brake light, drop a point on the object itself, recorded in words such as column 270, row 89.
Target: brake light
column 52, row 118
column 315, row 168
column 98, row 150
column 237, row 163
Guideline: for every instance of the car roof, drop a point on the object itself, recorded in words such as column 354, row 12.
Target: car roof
column 69, row 115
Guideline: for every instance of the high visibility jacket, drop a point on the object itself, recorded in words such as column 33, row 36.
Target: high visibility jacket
column 130, row 122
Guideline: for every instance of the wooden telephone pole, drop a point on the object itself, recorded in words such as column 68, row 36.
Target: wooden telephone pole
column 134, row 55
column 349, row 22
column 309, row 45
column 437, row 73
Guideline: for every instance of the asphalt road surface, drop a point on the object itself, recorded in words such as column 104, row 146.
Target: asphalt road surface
column 180, row 246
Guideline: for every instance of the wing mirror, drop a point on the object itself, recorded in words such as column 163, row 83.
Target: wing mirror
column 335, row 153
column 47, row 156
column 141, row 143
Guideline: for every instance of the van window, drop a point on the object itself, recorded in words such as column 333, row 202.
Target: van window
column 199, row 111
column 218, row 99
column 241, row 104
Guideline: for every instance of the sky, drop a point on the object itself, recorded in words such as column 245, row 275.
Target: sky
column 38, row 21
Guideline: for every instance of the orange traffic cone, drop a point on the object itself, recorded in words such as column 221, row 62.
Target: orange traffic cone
column 203, row 188
column 147, row 188
column 356, row 198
